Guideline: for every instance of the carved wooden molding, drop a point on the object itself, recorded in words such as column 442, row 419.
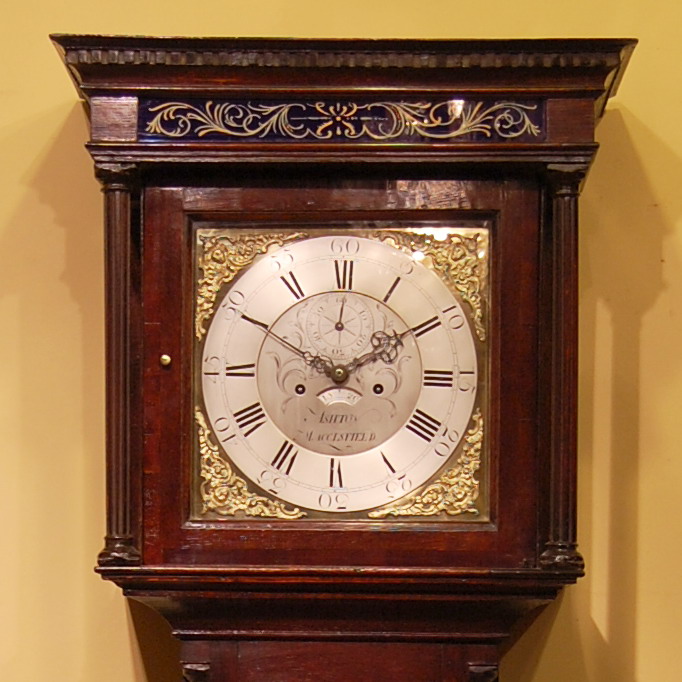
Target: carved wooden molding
column 405, row 54
column 121, row 177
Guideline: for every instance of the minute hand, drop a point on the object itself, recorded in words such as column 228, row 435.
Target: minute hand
column 319, row 362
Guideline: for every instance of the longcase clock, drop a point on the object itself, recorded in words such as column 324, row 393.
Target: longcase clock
column 341, row 360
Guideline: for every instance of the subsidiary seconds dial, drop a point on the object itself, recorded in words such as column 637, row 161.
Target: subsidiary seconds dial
column 339, row 373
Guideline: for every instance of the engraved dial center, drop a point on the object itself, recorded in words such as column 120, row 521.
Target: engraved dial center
column 342, row 412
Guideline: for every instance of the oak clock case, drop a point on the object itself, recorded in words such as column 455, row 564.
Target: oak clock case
column 342, row 332
column 338, row 372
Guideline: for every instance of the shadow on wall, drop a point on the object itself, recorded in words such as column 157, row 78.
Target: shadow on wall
column 47, row 272
column 590, row 634
column 160, row 652
column 56, row 270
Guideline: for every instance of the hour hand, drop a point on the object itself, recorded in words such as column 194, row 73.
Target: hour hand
column 385, row 347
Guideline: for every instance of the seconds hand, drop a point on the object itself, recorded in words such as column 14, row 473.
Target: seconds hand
column 339, row 324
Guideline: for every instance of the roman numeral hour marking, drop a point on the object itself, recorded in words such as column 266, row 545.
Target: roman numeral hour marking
column 423, row 425
column 391, row 289
column 292, row 284
column 285, row 458
column 389, row 466
column 438, row 377
column 248, row 370
column 252, row 416
column 344, row 274
column 335, row 478
column 426, row 326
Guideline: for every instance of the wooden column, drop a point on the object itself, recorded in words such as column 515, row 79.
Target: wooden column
column 562, row 395
column 122, row 361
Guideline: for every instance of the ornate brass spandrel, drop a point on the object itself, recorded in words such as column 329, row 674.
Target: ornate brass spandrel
column 321, row 121
column 461, row 259
column 455, row 491
column 221, row 258
column 227, row 494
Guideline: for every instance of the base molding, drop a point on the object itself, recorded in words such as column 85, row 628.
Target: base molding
column 337, row 636
column 303, row 661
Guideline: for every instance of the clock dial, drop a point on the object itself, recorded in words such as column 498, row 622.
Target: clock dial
column 343, row 371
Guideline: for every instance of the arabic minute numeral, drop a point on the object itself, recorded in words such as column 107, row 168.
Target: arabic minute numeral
column 281, row 260
column 467, row 381
column 455, row 321
column 223, row 429
column 338, row 501
column 399, row 486
column 345, row 246
column 447, row 442
column 271, row 482
column 212, row 367
column 232, row 304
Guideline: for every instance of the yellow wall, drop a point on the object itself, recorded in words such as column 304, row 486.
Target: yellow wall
column 58, row 621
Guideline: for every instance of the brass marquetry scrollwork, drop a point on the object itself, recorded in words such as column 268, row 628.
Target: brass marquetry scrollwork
column 337, row 121
column 221, row 258
column 460, row 259
column 455, row 492
column 225, row 493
